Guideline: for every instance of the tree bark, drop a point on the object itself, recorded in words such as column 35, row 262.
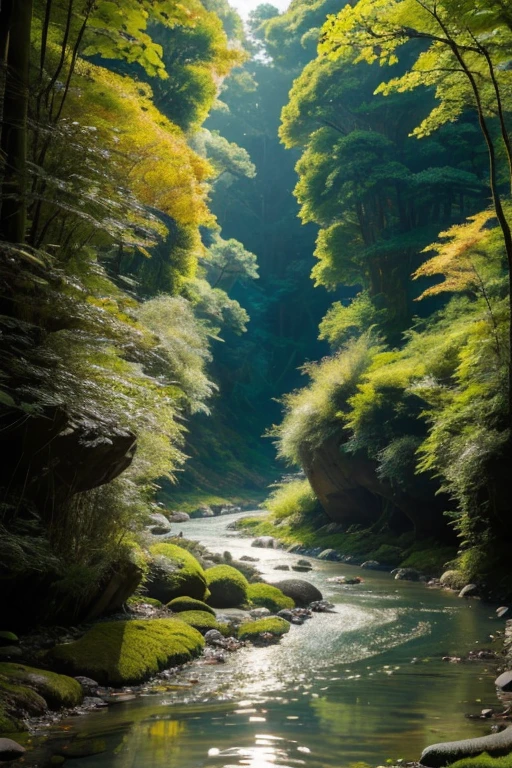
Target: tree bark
column 14, row 124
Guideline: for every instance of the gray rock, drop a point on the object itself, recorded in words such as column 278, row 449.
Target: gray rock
column 247, row 559
column 286, row 614
column 301, row 568
column 205, row 512
column 504, row 681
column 495, row 745
column 10, row 750
column 406, row 574
column 89, row 686
column 371, row 565
column 302, row 592
column 294, row 548
column 281, row 568
column 260, row 613
column 306, row 563
column 93, row 702
column 179, row 517
column 213, row 636
column 159, row 524
column 265, row 542
column 329, row 554
column 500, row 612
column 470, row 590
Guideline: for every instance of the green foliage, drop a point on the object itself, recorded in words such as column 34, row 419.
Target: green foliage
column 228, row 587
column 267, row 596
column 314, row 414
column 344, row 321
column 292, row 499
column 128, row 652
column 180, row 604
column 253, row 629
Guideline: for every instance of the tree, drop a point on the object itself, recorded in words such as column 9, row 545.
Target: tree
column 468, row 47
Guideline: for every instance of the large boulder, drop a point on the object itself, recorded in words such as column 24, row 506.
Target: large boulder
column 128, row 652
column 228, row 587
column 495, row 745
column 301, row 592
column 267, row 596
column 174, row 572
column 406, row 574
column 159, row 525
column 179, row 517
column 30, row 692
column 10, row 750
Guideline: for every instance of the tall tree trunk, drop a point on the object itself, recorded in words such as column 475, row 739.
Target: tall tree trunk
column 14, row 124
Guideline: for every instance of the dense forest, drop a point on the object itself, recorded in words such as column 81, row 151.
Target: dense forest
column 219, row 240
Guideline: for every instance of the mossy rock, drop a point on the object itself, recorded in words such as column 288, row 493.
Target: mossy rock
column 27, row 691
column 128, row 652
column 180, row 604
column 453, row 579
column 58, row 691
column 267, row 596
column 203, row 621
column 174, row 572
column 274, row 625
column 140, row 600
column 228, row 587
column 302, row 592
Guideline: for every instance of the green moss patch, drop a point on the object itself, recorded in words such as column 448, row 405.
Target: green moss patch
column 29, row 692
column 253, row 629
column 484, row 761
column 180, row 604
column 228, row 587
column 203, row 621
column 267, row 596
column 174, row 572
column 129, row 652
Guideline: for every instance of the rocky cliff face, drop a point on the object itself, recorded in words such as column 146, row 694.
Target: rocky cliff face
column 351, row 492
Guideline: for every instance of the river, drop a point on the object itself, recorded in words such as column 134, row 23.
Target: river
column 363, row 684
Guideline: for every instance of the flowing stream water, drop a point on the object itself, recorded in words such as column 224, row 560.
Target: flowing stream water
column 363, row 684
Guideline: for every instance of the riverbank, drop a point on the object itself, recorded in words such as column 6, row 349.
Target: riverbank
column 365, row 683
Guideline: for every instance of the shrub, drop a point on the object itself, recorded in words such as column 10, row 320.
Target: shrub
column 267, row 596
column 128, row 652
column 174, row 572
column 289, row 499
column 228, row 587
column 189, row 604
column 253, row 629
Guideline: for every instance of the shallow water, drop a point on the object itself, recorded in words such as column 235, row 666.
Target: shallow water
column 363, row 684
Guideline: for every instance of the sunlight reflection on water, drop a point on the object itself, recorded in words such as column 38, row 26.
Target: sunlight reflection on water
column 364, row 683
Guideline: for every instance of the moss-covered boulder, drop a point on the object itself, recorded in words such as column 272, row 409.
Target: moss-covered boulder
column 203, row 621
column 273, row 626
column 228, row 587
column 180, row 604
column 302, row 592
column 267, row 596
column 27, row 691
column 174, row 572
column 128, row 652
